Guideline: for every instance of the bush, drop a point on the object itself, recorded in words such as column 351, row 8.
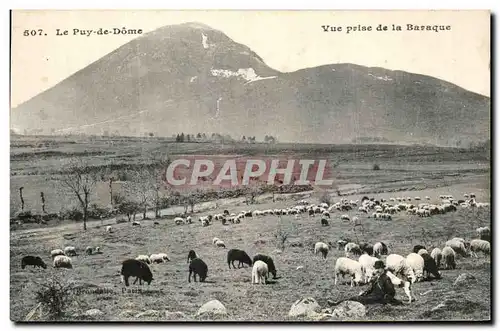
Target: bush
column 53, row 298
column 72, row 214
column 376, row 167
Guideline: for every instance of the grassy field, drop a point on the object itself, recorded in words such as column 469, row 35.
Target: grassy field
column 433, row 174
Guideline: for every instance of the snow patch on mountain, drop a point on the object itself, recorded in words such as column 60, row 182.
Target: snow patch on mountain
column 204, row 40
column 247, row 74
column 384, row 78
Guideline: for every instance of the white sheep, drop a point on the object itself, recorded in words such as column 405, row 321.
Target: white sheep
column 70, row 251
column 437, row 256
column 479, row 245
column 457, row 245
column 136, row 223
column 56, row 252
column 367, row 265
column 422, row 251
column 483, row 232
column 345, row 217
column 259, row 272
column 189, row 220
column 352, row 248
column 416, row 262
column 321, row 247
column 398, row 282
column 399, row 266
column 159, row 258
column 449, row 257
column 144, row 258
column 61, row 261
column 179, row 221
column 215, row 240
column 109, row 229
column 220, row 243
column 347, row 266
column 380, row 249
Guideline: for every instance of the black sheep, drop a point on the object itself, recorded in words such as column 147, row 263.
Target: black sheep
column 311, row 212
column 238, row 255
column 366, row 248
column 35, row 261
column 226, row 212
column 267, row 260
column 191, row 255
column 417, row 248
column 430, row 266
column 324, row 222
column 198, row 267
column 138, row 269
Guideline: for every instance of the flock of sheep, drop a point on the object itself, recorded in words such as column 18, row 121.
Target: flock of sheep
column 403, row 271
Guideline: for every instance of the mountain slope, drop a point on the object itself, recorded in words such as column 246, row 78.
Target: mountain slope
column 172, row 79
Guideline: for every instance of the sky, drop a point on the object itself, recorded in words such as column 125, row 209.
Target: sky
column 286, row 40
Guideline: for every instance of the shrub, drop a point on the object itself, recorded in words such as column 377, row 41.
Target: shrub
column 53, row 298
column 376, row 167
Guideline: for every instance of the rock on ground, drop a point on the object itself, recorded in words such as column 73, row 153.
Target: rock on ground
column 349, row 310
column 127, row 313
column 93, row 313
column 304, row 307
column 214, row 307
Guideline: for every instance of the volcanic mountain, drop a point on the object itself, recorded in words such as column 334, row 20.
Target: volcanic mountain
column 191, row 78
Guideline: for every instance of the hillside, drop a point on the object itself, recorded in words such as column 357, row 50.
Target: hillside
column 170, row 80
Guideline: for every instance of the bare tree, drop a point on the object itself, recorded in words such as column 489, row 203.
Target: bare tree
column 21, row 196
column 81, row 183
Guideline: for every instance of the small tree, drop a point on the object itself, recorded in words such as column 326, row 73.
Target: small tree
column 181, row 137
column 42, row 196
column 81, row 183
column 53, row 297
column 376, row 167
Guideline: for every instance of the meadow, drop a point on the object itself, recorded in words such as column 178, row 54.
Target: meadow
column 404, row 171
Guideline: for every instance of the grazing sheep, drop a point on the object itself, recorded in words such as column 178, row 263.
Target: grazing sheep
column 368, row 266
column 422, row 251
column 238, row 255
column 484, row 233
column 416, row 248
column 366, row 248
column 56, row 252
column 321, row 247
column 220, row 243
column 109, row 229
column 179, row 221
column 449, row 258
column 61, row 261
column 457, row 245
column 136, row 223
column 156, row 223
column 324, row 222
column 341, row 244
column 380, row 249
column 267, row 260
column 226, row 212
column 400, row 283
column 70, row 251
column 191, row 255
column 144, row 258
column 259, row 272
column 478, row 245
column 430, row 266
column 35, row 261
column 198, row 267
column 215, row 240
column 417, row 263
column 399, row 266
column 436, row 255
column 159, row 258
column 345, row 217
column 135, row 268
column 89, row 250
column 352, row 248
column 347, row 266
column 189, row 220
